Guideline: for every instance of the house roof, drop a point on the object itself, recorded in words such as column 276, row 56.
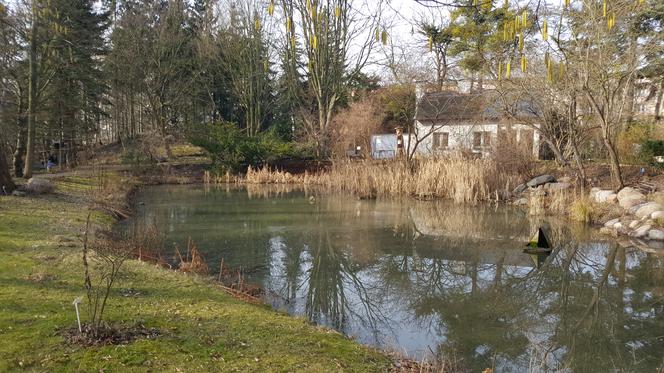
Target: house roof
column 454, row 106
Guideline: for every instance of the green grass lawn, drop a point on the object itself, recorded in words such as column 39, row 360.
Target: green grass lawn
column 203, row 328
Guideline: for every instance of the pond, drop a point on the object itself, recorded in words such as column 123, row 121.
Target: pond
column 429, row 277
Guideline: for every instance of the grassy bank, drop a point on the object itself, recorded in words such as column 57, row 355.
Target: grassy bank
column 202, row 328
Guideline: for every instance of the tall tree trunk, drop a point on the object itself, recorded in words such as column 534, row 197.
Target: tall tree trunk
column 19, row 153
column 631, row 83
column 6, row 183
column 616, row 173
column 575, row 148
column 658, row 103
column 32, row 95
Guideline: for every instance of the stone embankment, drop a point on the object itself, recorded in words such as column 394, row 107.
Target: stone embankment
column 540, row 186
column 641, row 219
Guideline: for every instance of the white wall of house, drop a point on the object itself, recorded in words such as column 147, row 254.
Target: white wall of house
column 478, row 138
column 384, row 146
column 644, row 102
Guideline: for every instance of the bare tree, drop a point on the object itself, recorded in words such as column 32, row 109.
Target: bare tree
column 354, row 126
column 245, row 52
column 335, row 46
column 600, row 57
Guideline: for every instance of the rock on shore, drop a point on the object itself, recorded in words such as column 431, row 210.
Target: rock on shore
column 640, row 218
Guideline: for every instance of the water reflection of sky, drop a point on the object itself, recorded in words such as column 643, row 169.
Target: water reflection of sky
column 427, row 278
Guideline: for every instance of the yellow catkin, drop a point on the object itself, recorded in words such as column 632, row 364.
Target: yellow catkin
column 604, row 8
column 561, row 70
column 567, row 3
column 289, row 24
column 337, row 12
column 611, row 21
column 500, row 70
column 257, row 24
column 430, row 43
column 521, row 41
column 545, row 30
column 383, row 37
column 270, row 8
column 524, row 19
column 377, row 34
column 523, row 63
column 508, row 70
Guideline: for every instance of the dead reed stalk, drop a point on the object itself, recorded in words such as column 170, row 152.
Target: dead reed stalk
column 460, row 179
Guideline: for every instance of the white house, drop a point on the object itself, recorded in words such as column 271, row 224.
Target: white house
column 448, row 122
column 648, row 98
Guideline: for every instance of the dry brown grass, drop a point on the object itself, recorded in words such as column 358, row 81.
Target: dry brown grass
column 193, row 261
column 460, row 179
column 267, row 175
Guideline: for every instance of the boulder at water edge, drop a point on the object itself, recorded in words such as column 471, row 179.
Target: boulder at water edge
column 629, row 197
column 541, row 180
column 657, row 215
column 557, row 186
column 603, row 196
column 611, row 222
column 656, row 234
column 641, row 231
column 648, row 208
column 520, row 189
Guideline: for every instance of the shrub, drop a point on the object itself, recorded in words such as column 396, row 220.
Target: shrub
column 630, row 140
column 652, row 148
column 39, row 186
column 232, row 150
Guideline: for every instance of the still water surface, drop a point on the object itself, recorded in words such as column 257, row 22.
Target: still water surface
column 425, row 278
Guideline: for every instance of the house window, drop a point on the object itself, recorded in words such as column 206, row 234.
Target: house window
column 486, row 138
column 477, row 139
column 441, row 140
column 481, row 139
column 526, row 138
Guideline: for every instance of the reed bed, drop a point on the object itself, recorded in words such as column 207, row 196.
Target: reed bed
column 460, row 179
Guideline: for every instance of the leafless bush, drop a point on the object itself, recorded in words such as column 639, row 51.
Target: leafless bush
column 39, row 186
column 103, row 259
column 515, row 156
column 354, row 126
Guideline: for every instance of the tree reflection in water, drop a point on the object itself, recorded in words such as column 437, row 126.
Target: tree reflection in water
column 426, row 277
